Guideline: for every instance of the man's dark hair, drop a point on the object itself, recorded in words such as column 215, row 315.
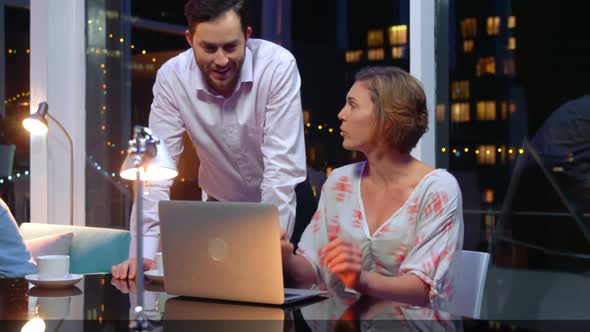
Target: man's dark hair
column 197, row 11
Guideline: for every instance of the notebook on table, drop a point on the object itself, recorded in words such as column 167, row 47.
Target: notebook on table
column 225, row 251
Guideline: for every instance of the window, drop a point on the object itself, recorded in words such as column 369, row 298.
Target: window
column 375, row 54
column 512, row 43
column 486, row 110
column 374, row 38
column 486, row 154
column 440, row 112
column 398, row 35
column 468, row 45
column 514, row 97
column 397, row 52
column 511, row 22
column 469, row 27
column 353, row 56
column 460, row 112
column 493, row 25
column 486, row 65
column 15, row 95
column 460, row 90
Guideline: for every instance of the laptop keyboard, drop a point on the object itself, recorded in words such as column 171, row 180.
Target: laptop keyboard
column 290, row 295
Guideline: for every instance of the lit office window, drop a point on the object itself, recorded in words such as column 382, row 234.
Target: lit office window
column 460, row 112
column 486, row 110
column 460, row 90
column 488, row 195
column 440, row 112
column 486, row 155
column 306, row 116
column 512, row 108
column 468, row 45
column 469, row 27
column 512, row 43
column 398, row 35
column 486, row 65
column 507, row 109
column 511, row 22
column 375, row 54
column 509, row 67
column 375, row 38
column 397, row 52
column 353, row 56
column 493, row 25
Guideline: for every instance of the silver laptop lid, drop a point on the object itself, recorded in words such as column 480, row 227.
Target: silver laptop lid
column 222, row 250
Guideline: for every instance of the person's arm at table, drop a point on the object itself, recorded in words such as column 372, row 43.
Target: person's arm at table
column 283, row 146
column 297, row 267
column 166, row 124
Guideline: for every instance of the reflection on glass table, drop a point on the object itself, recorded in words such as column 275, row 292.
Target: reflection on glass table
column 100, row 303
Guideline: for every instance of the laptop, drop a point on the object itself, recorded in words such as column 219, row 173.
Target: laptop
column 225, row 251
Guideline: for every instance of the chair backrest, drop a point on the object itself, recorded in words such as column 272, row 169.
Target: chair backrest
column 6, row 159
column 93, row 249
column 469, row 283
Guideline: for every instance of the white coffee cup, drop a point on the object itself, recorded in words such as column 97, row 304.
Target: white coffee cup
column 159, row 262
column 53, row 266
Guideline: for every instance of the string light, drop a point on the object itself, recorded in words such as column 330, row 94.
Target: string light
column 17, row 97
column 10, row 178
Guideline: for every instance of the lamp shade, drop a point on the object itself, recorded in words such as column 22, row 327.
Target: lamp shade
column 36, row 124
column 156, row 168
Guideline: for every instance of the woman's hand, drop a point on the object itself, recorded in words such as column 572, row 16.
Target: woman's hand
column 343, row 259
column 286, row 248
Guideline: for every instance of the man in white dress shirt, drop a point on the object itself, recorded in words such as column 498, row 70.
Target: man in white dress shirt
column 239, row 101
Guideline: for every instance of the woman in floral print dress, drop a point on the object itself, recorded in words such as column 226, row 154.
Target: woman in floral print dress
column 391, row 226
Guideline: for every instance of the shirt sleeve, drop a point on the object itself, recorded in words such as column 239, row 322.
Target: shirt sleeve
column 283, row 147
column 165, row 123
column 15, row 258
column 439, row 237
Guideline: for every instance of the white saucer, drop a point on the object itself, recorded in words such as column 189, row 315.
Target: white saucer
column 154, row 275
column 69, row 280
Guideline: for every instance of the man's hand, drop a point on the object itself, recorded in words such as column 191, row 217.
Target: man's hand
column 343, row 259
column 125, row 286
column 286, row 248
column 127, row 269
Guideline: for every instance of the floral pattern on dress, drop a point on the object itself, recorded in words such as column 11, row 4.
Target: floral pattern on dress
column 422, row 238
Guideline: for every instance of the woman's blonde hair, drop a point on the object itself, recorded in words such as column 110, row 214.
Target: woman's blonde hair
column 400, row 105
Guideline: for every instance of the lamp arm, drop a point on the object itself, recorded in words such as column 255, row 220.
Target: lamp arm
column 71, row 166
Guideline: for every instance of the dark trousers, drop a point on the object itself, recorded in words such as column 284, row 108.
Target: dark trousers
column 306, row 207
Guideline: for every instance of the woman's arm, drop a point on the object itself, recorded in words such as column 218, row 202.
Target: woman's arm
column 344, row 259
column 297, row 267
column 406, row 288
